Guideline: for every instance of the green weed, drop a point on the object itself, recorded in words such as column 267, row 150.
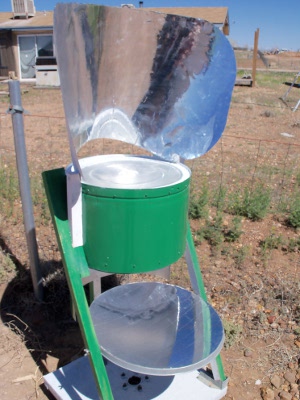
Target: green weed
column 232, row 333
column 234, row 231
column 253, row 204
column 294, row 212
column 293, row 245
column 39, row 201
column 297, row 179
column 9, row 190
column 216, row 232
column 212, row 232
column 8, row 184
column 10, row 193
column 198, row 207
column 240, row 255
column 6, row 266
column 297, row 331
column 272, row 242
column 219, row 198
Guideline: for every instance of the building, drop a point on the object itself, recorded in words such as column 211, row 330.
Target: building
column 26, row 39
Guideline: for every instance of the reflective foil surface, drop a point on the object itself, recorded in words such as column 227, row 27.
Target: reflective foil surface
column 161, row 82
column 155, row 328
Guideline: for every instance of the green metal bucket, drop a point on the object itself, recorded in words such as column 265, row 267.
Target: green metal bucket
column 139, row 223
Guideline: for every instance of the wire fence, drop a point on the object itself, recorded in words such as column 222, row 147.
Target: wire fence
column 234, row 163
column 274, row 61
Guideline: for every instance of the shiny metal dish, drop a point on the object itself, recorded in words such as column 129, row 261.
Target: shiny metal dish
column 131, row 172
column 161, row 82
column 157, row 329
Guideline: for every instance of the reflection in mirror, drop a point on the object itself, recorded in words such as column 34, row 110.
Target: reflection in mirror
column 161, row 82
column 156, row 328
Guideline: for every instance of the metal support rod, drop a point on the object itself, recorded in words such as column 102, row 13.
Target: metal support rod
column 255, row 49
column 198, row 288
column 24, row 183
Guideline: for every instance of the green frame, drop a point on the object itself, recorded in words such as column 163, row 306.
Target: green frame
column 76, row 268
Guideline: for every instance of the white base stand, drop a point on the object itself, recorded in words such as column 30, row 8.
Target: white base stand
column 75, row 382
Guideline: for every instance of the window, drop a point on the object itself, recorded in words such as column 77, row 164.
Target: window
column 31, row 47
column 44, row 46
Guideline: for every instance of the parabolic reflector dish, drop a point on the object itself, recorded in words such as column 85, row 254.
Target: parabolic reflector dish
column 155, row 328
column 161, row 82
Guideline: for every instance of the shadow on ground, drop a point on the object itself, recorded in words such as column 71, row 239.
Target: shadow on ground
column 47, row 328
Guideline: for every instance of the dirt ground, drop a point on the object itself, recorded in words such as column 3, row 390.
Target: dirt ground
column 257, row 296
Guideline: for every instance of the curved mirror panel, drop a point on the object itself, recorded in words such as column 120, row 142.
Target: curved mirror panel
column 156, row 328
column 161, row 82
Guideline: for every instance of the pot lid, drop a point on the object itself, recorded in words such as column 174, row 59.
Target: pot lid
column 120, row 171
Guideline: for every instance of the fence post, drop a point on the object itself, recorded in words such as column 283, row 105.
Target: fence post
column 255, row 49
column 16, row 111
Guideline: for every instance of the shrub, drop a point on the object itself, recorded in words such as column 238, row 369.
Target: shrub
column 6, row 266
column 232, row 333
column 216, row 233
column 253, row 204
column 240, row 255
column 212, row 231
column 293, row 245
column 272, row 242
column 294, row 212
column 198, row 207
column 219, row 198
column 234, row 231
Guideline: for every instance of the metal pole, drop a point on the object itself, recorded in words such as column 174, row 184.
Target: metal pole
column 24, row 183
column 256, row 36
